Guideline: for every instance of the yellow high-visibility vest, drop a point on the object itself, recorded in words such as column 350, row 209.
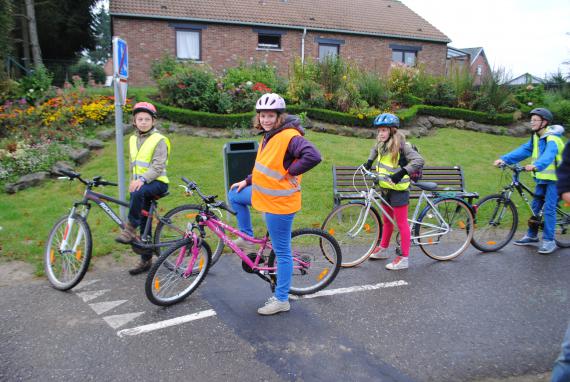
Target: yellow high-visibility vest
column 141, row 158
column 549, row 173
column 385, row 166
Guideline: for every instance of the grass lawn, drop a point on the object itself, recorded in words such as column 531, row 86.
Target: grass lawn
column 27, row 217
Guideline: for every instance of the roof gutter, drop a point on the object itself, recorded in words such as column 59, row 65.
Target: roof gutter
column 303, row 28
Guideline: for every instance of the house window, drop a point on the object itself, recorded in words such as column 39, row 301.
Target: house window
column 268, row 41
column 479, row 70
column 326, row 50
column 404, row 54
column 328, row 47
column 188, row 44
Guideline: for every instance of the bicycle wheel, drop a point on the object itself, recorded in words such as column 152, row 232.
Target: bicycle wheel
column 166, row 283
column 316, row 260
column 65, row 267
column 496, row 222
column 356, row 234
column 178, row 219
column 562, row 230
column 448, row 238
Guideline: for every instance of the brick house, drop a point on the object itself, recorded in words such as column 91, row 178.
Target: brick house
column 474, row 58
column 225, row 33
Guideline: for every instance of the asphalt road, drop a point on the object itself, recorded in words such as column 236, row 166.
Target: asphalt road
column 481, row 316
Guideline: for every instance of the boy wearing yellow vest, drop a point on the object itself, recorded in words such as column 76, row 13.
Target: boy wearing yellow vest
column 545, row 148
column 149, row 152
column 274, row 188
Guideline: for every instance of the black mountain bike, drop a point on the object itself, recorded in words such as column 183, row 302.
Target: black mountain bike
column 497, row 217
column 69, row 245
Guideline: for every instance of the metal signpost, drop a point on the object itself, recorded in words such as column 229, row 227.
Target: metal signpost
column 120, row 76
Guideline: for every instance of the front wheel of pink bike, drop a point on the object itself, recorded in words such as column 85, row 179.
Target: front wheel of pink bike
column 170, row 280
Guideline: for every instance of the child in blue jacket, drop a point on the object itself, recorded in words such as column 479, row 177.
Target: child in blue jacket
column 545, row 148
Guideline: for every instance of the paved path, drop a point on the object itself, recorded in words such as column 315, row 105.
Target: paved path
column 480, row 317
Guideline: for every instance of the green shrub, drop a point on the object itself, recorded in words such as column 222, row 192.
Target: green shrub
column 88, row 71
column 190, row 86
column 468, row 115
column 561, row 111
column 529, row 94
column 254, row 73
column 17, row 159
column 166, row 65
column 493, row 95
column 373, row 90
column 307, row 92
column 9, row 89
column 441, row 94
column 37, row 85
column 462, row 81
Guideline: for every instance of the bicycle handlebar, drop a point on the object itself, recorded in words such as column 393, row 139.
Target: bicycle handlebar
column 210, row 200
column 95, row 182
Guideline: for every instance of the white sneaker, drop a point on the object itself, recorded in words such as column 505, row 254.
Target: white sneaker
column 379, row 253
column 273, row 306
column 246, row 246
column 399, row 262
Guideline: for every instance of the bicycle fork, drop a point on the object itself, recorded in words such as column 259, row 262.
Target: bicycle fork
column 68, row 229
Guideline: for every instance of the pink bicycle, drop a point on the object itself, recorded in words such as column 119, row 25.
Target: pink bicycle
column 182, row 268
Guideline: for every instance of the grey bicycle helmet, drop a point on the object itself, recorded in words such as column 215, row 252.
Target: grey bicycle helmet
column 543, row 113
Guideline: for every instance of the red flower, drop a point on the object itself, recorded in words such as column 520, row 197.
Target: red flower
column 261, row 87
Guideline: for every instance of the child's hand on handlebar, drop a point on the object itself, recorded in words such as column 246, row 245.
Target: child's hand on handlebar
column 530, row 167
column 499, row 163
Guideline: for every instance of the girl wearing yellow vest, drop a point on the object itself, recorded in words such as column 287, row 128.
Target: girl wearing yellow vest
column 149, row 151
column 388, row 148
column 274, row 188
column 545, row 148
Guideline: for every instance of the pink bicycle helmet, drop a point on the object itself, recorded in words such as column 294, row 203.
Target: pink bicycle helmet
column 270, row 102
column 146, row 107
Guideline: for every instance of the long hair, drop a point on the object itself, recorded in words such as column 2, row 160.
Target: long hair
column 280, row 119
column 392, row 145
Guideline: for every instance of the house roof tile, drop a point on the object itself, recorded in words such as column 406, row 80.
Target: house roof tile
column 372, row 17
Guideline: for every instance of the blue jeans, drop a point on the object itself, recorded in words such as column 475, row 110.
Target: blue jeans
column 140, row 200
column 279, row 227
column 561, row 370
column 545, row 195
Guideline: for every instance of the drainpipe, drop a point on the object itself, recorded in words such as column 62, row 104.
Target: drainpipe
column 303, row 46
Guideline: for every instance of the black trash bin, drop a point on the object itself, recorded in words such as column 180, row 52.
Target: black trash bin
column 239, row 158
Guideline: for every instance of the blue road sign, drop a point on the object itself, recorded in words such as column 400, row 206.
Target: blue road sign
column 121, row 58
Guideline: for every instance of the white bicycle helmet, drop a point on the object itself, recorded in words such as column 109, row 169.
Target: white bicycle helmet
column 270, row 102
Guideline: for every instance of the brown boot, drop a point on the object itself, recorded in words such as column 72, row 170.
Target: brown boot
column 127, row 235
column 142, row 266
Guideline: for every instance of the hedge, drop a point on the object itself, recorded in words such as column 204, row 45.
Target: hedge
column 205, row 119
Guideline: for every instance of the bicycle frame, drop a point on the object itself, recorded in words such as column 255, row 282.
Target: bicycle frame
column 520, row 187
column 372, row 196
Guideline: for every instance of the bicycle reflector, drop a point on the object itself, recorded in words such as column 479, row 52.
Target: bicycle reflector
column 323, row 274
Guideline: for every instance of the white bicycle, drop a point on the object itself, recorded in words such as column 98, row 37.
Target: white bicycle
column 442, row 224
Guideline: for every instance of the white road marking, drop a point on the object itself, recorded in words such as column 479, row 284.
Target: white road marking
column 93, row 294
column 166, row 323
column 358, row 288
column 102, row 307
column 119, row 320
column 84, row 284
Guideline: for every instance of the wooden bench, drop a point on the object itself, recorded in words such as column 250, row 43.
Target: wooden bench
column 449, row 180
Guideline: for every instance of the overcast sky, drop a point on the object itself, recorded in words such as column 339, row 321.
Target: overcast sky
column 518, row 35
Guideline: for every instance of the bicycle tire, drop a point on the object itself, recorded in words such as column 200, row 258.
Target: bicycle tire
column 491, row 235
column 164, row 276
column 340, row 223
column 562, row 231
column 180, row 217
column 440, row 245
column 58, row 264
column 316, row 255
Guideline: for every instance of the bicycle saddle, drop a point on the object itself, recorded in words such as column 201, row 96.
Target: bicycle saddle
column 426, row 186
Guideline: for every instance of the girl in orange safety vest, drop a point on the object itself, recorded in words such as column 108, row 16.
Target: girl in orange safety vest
column 274, row 188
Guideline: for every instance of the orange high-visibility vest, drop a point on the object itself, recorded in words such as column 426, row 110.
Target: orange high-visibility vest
column 271, row 192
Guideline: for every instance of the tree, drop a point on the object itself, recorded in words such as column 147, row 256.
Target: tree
column 6, row 26
column 101, row 31
column 32, row 27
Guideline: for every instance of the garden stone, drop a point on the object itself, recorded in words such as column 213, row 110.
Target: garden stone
column 460, row 124
column 185, row 131
column 424, row 121
column 61, row 165
column 437, row 122
column 450, row 123
column 93, row 144
column 26, row 181
column 308, row 124
column 418, row 131
column 79, row 156
column 105, row 135
column 365, row 133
